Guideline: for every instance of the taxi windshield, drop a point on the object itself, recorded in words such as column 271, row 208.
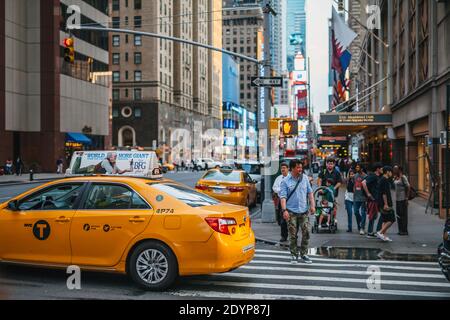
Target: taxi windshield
column 226, row 176
column 188, row 196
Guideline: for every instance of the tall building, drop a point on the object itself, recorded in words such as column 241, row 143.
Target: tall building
column 279, row 48
column 49, row 107
column 243, row 23
column 163, row 94
column 296, row 30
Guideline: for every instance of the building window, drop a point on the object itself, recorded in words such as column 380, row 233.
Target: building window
column 116, row 22
column 137, row 94
column 116, row 76
column 116, row 5
column 115, row 113
column 116, row 41
column 137, row 40
column 126, row 56
column 116, row 94
column 126, row 38
column 137, row 4
column 126, row 93
column 137, row 58
column 137, row 76
column 137, row 112
column 126, row 75
column 116, row 58
column 137, row 21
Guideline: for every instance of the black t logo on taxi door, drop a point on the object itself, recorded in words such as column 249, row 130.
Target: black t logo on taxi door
column 41, row 230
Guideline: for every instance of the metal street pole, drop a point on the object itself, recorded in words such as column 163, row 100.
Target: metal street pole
column 447, row 156
column 268, row 208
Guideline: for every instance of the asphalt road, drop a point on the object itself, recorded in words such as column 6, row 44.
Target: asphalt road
column 269, row 276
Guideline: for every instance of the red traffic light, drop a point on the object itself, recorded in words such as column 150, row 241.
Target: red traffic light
column 68, row 42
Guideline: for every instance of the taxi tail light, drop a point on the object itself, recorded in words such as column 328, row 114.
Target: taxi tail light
column 201, row 187
column 235, row 189
column 221, row 224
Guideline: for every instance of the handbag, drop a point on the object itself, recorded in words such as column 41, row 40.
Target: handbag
column 412, row 191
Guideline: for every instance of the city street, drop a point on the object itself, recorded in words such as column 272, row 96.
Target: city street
column 269, row 276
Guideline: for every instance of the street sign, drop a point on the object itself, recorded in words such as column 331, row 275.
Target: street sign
column 267, row 82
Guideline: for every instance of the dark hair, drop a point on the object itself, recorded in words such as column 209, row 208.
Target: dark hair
column 330, row 181
column 376, row 166
column 387, row 169
column 400, row 169
column 284, row 164
column 331, row 160
column 293, row 164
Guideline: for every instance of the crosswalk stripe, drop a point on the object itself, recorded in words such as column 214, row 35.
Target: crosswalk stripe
column 325, row 271
column 250, row 296
column 324, row 288
column 318, row 257
column 333, row 279
column 358, row 265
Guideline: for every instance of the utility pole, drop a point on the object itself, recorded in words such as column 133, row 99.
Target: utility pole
column 268, row 208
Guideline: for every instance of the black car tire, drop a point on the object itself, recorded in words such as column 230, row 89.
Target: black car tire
column 169, row 256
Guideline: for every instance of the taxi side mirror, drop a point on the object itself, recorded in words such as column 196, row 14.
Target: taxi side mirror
column 13, row 205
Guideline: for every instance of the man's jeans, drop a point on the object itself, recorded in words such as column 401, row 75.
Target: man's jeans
column 361, row 212
column 295, row 223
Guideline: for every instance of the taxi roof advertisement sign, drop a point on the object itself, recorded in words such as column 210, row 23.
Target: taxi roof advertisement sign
column 125, row 163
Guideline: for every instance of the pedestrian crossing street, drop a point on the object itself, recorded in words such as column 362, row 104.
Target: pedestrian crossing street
column 271, row 276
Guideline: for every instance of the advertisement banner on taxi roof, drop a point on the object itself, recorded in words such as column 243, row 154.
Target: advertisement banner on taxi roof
column 126, row 163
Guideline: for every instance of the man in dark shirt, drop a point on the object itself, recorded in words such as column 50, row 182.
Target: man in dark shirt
column 330, row 173
column 370, row 186
column 385, row 203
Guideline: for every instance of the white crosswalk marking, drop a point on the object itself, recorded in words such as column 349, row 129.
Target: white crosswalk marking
column 271, row 276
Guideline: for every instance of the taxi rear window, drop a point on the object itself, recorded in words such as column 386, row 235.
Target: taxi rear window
column 233, row 176
column 251, row 168
column 186, row 195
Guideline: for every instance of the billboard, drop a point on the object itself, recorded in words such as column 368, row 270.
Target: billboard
column 302, row 103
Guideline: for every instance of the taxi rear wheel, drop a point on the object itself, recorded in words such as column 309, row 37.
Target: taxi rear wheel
column 153, row 266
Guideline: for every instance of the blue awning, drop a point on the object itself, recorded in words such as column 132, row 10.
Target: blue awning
column 78, row 137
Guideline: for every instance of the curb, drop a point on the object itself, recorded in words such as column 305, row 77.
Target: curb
column 35, row 181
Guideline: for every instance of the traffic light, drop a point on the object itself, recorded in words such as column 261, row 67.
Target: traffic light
column 69, row 50
column 340, row 5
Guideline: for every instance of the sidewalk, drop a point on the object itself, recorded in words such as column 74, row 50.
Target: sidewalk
column 25, row 178
column 425, row 233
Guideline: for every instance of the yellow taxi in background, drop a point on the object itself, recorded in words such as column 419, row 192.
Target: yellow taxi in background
column 231, row 186
column 151, row 229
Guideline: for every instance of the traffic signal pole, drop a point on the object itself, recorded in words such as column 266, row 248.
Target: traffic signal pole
column 268, row 207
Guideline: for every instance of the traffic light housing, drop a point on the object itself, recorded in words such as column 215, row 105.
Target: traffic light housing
column 69, row 50
column 340, row 5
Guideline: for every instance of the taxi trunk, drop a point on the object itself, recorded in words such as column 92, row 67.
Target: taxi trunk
column 230, row 192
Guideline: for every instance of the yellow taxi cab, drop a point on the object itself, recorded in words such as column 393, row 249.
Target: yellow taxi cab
column 168, row 166
column 231, row 186
column 152, row 229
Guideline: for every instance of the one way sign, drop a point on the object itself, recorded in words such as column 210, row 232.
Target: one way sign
column 267, row 82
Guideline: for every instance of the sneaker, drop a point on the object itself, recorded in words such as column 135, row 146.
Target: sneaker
column 387, row 239
column 294, row 259
column 283, row 240
column 306, row 259
column 371, row 236
column 380, row 236
column 349, row 231
column 361, row 232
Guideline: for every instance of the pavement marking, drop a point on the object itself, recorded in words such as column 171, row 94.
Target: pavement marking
column 333, row 279
column 348, row 272
column 402, row 293
column 320, row 257
column 356, row 264
column 250, row 296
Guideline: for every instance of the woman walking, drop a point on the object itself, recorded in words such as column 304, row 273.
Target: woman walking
column 349, row 201
column 402, row 189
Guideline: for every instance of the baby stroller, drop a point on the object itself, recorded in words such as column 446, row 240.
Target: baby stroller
column 325, row 205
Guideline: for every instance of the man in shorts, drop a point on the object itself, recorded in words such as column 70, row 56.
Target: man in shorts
column 385, row 203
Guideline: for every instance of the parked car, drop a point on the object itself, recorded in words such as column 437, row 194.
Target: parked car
column 444, row 251
column 208, row 163
column 253, row 168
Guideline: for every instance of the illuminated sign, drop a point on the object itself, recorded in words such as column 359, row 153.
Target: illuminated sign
column 342, row 119
column 290, row 128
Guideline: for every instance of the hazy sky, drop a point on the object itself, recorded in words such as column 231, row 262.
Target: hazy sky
column 318, row 13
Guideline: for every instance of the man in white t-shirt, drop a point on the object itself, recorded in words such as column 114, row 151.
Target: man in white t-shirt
column 276, row 191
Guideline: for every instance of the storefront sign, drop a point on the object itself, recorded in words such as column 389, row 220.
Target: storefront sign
column 348, row 119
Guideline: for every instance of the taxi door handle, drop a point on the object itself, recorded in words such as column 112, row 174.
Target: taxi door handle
column 137, row 220
column 62, row 220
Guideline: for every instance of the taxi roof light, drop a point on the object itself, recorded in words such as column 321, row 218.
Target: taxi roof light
column 221, row 224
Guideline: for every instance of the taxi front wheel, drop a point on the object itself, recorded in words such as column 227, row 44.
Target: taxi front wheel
column 153, row 266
